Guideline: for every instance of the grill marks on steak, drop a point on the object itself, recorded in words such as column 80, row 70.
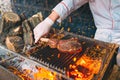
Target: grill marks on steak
column 69, row 46
column 53, row 43
column 66, row 46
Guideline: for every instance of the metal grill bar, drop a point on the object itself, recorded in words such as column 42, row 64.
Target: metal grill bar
column 61, row 63
column 51, row 56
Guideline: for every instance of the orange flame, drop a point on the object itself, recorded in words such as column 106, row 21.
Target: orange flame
column 40, row 75
column 84, row 68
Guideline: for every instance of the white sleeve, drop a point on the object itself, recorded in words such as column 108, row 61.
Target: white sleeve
column 65, row 7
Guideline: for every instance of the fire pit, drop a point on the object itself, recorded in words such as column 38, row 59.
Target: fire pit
column 94, row 62
column 95, row 58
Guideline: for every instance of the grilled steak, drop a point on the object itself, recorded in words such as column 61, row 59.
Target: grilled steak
column 66, row 46
column 69, row 46
column 53, row 43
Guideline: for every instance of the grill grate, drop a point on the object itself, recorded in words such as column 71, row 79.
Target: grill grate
column 56, row 58
column 63, row 60
column 60, row 62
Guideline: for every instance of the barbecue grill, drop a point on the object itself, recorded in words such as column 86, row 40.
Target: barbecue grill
column 59, row 63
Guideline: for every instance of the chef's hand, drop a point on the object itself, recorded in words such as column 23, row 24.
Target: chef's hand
column 42, row 28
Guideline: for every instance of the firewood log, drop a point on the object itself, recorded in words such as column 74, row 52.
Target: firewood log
column 35, row 19
column 18, row 31
column 40, row 15
column 27, row 33
column 28, row 26
column 9, row 20
column 14, row 43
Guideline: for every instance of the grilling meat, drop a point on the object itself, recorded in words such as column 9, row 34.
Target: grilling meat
column 66, row 46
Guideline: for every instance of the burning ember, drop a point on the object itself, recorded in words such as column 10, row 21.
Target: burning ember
column 29, row 71
column 41, row 74
column 85, row 68
column 18, row 73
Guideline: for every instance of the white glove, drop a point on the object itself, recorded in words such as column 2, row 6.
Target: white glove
column 42, row 28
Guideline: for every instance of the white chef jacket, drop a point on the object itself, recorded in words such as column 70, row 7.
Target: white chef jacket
column 106, row 14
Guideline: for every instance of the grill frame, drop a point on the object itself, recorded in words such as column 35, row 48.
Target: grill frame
column 6, row 74
column 108, row 62
column 102, row 75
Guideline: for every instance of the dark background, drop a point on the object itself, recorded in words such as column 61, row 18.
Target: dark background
column 82, row 20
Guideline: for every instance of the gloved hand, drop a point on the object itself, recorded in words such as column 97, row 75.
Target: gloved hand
column 42, row 28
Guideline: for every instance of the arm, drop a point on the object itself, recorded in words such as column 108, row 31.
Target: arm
column 53, row 16
column 65, row 7
column 60, row 12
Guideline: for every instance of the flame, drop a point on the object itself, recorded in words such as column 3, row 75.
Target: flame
column 18, row 73
column 84, row 68
column 39, row 75
column 44, row 74
column 92, row 64
column 58, row 55
column 74, row 59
